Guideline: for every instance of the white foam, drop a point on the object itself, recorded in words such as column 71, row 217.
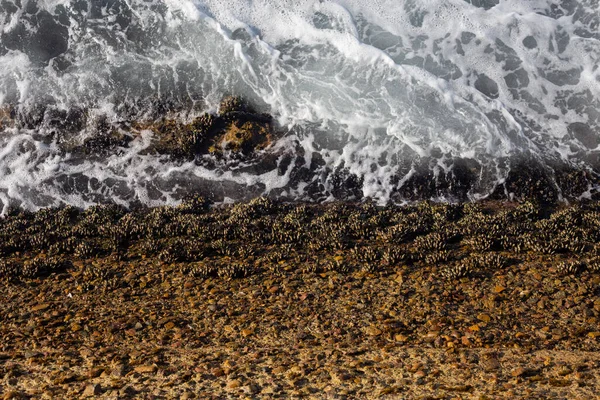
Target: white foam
column 360, row 83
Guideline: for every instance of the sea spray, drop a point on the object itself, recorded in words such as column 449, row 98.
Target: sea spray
column 394, row 100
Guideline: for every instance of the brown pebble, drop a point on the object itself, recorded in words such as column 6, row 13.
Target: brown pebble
column 559, row 382
column 169, row 325
column 40, row 307
column 491, row 364
column 499, row 289
column 419, row 374
column 484, row 317
column 372, row 331
column 145, row 369
column 11, row 394
column 234, row 384
column 565, row 371
column 119, row 370
column 400, row 338
column 95, row 372
column 92, row 390
column 522, row 372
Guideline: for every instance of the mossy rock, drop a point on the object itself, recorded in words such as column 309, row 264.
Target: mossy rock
column 236, row 130
column 6, row 117
column 234, row 104
column 242, row 137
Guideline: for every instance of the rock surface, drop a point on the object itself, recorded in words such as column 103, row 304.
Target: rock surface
column 290, row 316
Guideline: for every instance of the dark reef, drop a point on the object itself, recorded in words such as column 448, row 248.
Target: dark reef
column 473, row 239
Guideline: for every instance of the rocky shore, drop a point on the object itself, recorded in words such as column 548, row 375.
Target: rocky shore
column 275, row 300
column 238, row 137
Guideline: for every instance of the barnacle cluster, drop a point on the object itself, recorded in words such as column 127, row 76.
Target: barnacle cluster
column 569, row 267
column 470, row 240
column 457, row 271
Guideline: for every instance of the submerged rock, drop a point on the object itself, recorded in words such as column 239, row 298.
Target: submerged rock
column 237, row 129
column 250, row 136
column 6, row 117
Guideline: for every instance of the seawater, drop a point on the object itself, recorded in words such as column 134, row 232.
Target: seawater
column 376, row 90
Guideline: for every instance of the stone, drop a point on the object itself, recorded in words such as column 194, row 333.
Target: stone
column 484, row 317
column 118, row 371
column 145, row 369
column 40, row 307
column 169, row 325
column 420, row 374
column 11, row 395
column 400, row 338
column 373, row 331
column 95, row 372
column 234, row 384
column 247, row 332
column 499, row 289
column 92, row 390
column 490, row 364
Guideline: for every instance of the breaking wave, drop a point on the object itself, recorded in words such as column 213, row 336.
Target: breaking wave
column 394, row 100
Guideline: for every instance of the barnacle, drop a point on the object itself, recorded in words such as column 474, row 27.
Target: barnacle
column 234, row 270
column 365, row 254
column 431, row 242
column 393, row 255
column 593, row 264
column 8, row 270
column 481, row 243
column 438, row 257
column 568, row 267
column 456, row 271
column 200, row 269
column 85, row 250
column 40, row 266
column 491, row 261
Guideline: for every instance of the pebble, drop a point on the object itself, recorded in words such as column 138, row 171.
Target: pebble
column 400, row 338
column 499, row 289
column 118, row 370
column 373, row 331
column 169, row 325
column 420, row 374
column 40, row 307
column 491, row 364
column 484, row 317
column 145, row 369
column 92, row 390
column 234, row 384
column 12, row 394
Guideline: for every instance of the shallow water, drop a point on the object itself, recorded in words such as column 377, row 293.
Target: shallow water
column 367, row 95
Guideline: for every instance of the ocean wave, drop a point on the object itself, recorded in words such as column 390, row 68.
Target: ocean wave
column 393, row 100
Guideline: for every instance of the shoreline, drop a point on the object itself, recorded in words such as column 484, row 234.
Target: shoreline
column 274, row 300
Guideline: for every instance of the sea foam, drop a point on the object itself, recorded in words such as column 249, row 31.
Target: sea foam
column 367, row 95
